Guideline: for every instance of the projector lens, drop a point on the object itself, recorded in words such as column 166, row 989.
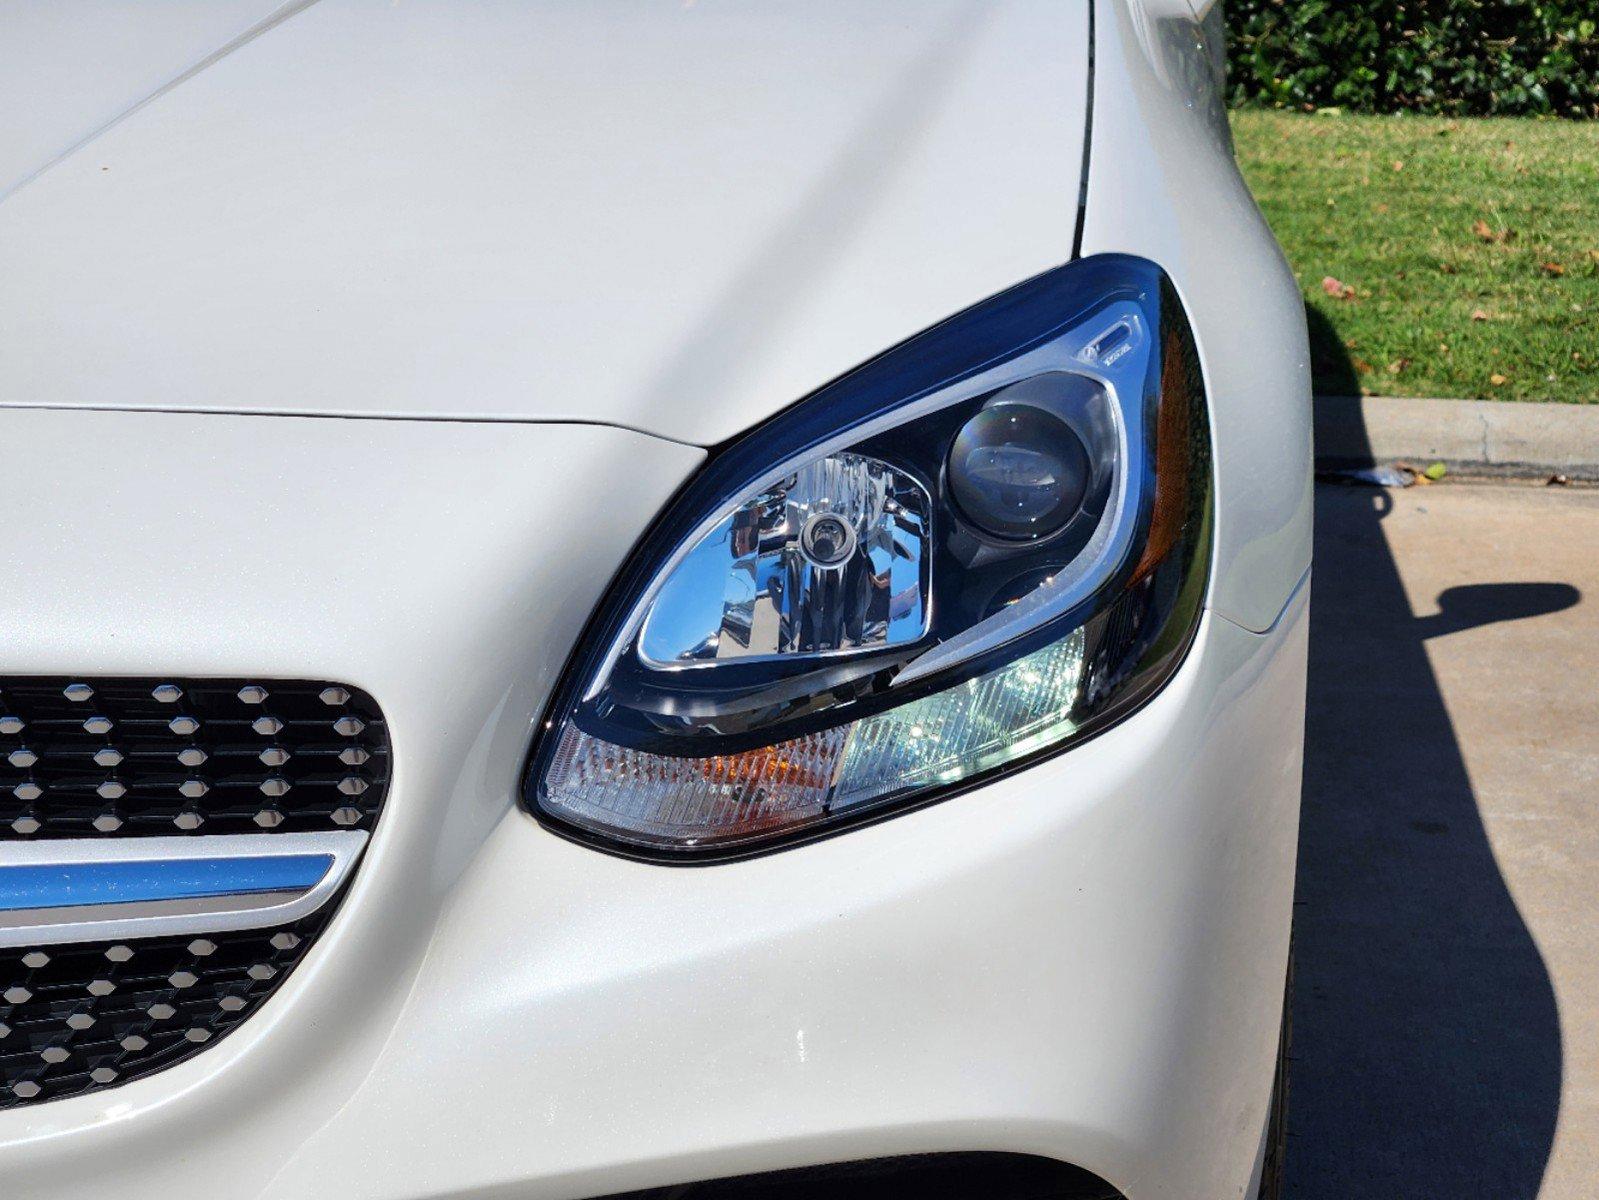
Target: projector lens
column 1018, row 472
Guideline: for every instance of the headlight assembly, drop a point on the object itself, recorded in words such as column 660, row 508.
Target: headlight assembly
column 980, row 547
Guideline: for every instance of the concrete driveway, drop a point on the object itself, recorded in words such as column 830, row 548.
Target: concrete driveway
column 1447, row 1002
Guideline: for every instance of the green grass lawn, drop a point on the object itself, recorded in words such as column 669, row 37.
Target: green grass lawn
column 1471, row 247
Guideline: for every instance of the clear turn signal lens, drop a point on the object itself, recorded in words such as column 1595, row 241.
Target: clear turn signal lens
column 724, row 800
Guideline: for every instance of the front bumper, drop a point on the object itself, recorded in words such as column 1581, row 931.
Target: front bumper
column 1083, row 960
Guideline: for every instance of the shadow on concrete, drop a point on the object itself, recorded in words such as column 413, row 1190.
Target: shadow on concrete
column 1475, row 604
column 1426, row 1039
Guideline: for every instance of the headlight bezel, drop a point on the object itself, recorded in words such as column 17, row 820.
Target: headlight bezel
column 1169, row 534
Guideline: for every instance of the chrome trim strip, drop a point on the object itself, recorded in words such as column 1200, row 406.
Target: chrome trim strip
column 68, row 891
column 30, row 917
column 27, row 886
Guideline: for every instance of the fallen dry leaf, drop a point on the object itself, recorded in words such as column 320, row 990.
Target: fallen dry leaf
column 1552, row 268
column 1488, row 233
column 1399, row 164
column 1496, row 379
column 1361, row 365
column 1398, row 365
column 1478, row 315
column 1448, row 268
column 1337, row 288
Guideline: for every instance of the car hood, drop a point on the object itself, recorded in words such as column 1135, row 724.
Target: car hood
column 677, row 219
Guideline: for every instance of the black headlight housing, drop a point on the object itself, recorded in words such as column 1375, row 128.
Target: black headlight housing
column 981, row 547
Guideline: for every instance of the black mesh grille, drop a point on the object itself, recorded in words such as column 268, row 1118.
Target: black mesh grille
column 92, row 1015
column 117, row 758
column 143, row 757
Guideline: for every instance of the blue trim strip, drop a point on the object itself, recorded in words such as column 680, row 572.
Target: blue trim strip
column 66, row 885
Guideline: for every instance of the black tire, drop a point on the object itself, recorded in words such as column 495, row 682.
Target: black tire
column 1271, row 1171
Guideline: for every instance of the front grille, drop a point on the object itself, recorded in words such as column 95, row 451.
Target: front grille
column 115, row 758
column 143, row 757
column 91, row 1015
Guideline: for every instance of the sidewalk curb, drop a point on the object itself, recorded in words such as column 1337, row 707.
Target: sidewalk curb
column 1492, row 436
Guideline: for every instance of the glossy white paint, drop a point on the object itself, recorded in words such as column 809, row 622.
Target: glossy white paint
column 680, row 222
column 673, row 217
column 69, row 70
column 1163, row 184
column 1056, row 963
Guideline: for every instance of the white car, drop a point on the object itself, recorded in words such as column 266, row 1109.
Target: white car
column 680, row 599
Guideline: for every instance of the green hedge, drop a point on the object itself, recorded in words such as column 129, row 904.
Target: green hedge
column 1454, row 57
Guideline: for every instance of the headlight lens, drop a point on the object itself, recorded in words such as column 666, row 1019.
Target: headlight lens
column 1018, row 471
column 982, row 546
